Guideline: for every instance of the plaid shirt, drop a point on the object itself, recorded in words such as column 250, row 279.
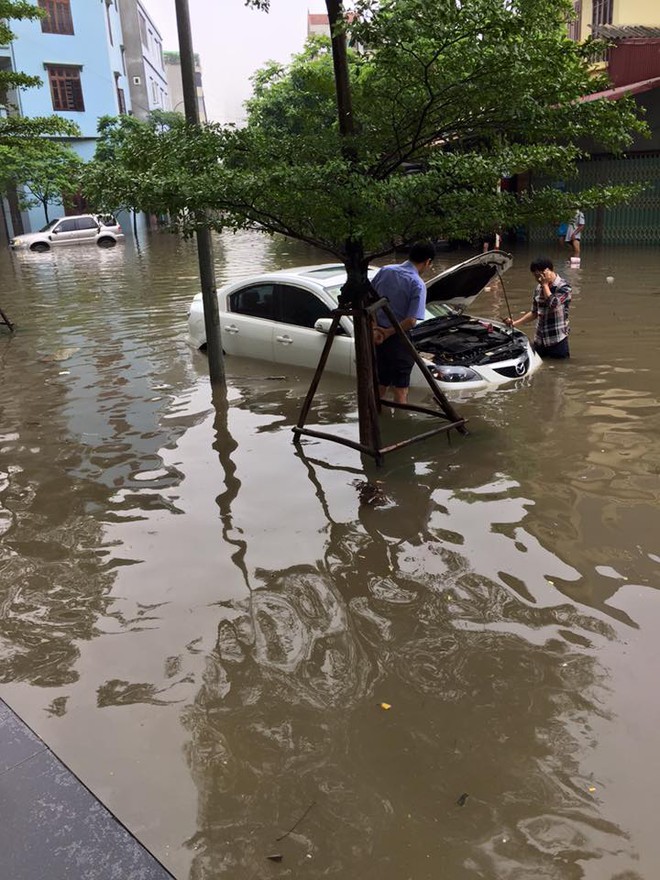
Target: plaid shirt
column 552, row 314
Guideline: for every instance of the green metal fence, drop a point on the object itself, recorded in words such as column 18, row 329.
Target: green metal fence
column 637, row 222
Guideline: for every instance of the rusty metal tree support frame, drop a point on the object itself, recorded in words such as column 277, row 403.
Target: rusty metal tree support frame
column 448, row 414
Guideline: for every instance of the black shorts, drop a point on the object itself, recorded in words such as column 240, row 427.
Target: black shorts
column 395, row 362
column 558, row 350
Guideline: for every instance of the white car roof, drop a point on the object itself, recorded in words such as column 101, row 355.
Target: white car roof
column 324, row 274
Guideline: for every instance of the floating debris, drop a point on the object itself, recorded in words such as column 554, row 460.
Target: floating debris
column 370, row 493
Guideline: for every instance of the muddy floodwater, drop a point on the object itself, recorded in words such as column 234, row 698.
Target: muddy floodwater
column 245, row 651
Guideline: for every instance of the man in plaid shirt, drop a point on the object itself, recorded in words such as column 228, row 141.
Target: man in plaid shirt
column 552, row 298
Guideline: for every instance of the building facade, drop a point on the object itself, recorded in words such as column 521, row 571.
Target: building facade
column 94, row 58
column 318, row 23
column 76, row 51
column 143, row 59
column 632, row 63
column 175, row 83
column 592, row 14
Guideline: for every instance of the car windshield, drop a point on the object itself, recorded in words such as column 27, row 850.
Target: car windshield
column 439, row 310
column 433, row 309
column 49, row 225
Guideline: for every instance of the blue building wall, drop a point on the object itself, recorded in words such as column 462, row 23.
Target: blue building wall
column 90, row 48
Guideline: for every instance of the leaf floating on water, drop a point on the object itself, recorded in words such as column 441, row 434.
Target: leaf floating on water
column 275, row 857
column 592, row 788
column 462, row 799
column 385, row 705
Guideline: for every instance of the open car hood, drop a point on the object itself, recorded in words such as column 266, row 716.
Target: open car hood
column 461, row 285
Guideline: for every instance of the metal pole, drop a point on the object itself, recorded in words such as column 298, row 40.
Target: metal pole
column 204, row 243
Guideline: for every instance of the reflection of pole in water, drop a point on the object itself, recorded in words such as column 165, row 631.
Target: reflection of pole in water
column 224, row 444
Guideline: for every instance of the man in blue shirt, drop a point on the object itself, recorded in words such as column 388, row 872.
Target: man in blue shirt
column 402, row 285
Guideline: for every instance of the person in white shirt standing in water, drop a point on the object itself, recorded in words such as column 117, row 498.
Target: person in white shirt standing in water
column 574, row 233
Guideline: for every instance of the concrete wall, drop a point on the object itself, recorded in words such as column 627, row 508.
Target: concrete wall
column 175, row 84
column 144, row 60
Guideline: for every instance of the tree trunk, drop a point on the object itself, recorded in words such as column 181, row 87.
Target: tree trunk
column 356, row 289
column 45, row 204
column 203, row 235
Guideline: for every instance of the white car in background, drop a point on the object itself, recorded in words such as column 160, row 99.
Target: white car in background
column 100, row 229
column 283, row 317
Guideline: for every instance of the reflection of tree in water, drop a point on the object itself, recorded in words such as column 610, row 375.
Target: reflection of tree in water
column 491, row 698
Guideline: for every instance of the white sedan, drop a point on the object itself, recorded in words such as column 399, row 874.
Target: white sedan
column 283, row 317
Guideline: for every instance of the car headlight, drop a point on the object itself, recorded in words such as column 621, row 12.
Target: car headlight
column 16, row 241
column 453, row 374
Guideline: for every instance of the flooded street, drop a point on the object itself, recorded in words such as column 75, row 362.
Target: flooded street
column 207, row 625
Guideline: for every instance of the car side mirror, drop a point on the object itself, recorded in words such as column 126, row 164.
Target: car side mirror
column 323, row 325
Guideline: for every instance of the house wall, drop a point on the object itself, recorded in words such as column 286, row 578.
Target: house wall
column 143, row 51
column 96, row 48
column 88, row 48
column 624, row 12
column 175, row 83
column 636, row 12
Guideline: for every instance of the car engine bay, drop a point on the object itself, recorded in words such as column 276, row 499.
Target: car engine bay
column 466, row 341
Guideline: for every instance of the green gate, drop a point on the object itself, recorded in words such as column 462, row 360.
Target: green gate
column 637, row 222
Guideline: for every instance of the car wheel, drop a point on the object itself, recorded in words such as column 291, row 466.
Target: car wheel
column 106, row 242
column 40, row 247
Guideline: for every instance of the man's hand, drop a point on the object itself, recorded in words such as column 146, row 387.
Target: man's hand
column 509, row 322
column 379, row 335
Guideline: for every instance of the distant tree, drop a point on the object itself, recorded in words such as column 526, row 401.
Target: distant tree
column 48, row 174
column 461, row 92
column 122, row 174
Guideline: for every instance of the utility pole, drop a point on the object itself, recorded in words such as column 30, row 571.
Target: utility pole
column 203, row 235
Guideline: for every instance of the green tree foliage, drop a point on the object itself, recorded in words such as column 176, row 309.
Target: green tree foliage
column 18, row 10
column 158, row 165
column 46, row 171
column 461, row 93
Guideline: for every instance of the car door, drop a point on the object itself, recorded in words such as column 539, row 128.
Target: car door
column 88, row 230
column 64, row 232
column 296, row 342
column 247, row 326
